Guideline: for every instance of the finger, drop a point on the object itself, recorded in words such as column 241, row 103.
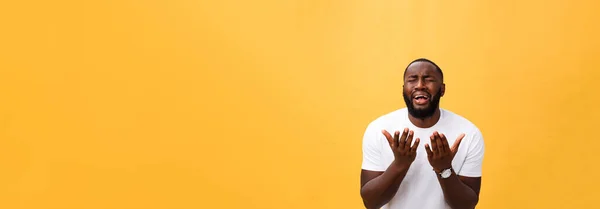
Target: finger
column 445, row 143
column 439, row 143
column 396, row 135
column 413, row 149
column 428, row 150
column 388, row 137
column 457, row 143
column 409, row 140
column 433, row 147
column 403, row 138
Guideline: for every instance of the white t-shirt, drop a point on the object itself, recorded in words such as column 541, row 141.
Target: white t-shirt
column 420, row 187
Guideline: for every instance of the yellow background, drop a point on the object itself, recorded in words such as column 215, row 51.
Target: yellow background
column 262, row 104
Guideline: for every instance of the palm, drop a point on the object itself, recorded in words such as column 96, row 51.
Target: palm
column 440, row 154
column 404, row 153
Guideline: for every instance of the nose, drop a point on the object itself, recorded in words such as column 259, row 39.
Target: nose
column 420, row 85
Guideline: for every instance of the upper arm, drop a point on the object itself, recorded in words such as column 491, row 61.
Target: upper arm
column 372, row 165
column 472, row 166
column 471, row 171
column 473, row 182
column 371, row 149
column 367, row 175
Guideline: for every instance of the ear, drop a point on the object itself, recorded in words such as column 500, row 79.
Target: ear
column 443, row 89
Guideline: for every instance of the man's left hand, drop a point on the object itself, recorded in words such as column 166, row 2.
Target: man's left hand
column 439, row 154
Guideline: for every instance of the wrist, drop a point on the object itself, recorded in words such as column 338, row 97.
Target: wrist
column 399, row 167
column 436, row 170
column 444, row 173
column 442, row 168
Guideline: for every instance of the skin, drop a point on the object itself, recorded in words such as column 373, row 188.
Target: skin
column 378, row 188
column 422, row 77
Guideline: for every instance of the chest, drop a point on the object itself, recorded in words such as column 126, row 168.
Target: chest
column 421, row 166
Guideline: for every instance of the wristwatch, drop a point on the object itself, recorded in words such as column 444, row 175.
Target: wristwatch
column 446, row 173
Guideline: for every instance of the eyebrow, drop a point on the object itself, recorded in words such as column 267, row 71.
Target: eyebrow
column 425, row 76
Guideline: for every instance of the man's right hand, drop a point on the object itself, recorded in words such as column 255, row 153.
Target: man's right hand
column 377, row 187
column 404, row 154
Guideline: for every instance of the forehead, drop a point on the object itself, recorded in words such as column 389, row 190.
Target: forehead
column 421, row 68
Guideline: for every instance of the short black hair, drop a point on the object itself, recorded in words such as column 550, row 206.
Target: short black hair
column 425, row 60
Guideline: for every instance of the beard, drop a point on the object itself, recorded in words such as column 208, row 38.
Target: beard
column 426, row 112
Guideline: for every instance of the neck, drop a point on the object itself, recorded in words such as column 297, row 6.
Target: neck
column 425, row 122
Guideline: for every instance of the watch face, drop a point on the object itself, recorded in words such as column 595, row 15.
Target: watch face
column 446, row 173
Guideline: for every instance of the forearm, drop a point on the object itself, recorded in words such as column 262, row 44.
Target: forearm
column 457, row 194
column 381, row 189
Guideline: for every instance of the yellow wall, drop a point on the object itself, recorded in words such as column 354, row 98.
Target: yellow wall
column 262, row 104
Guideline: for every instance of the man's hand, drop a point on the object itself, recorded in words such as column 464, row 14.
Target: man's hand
column 378, row 188
column 404, row 154
column 439, row 154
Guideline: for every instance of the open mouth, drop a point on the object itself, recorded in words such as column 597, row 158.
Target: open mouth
column 421, row 99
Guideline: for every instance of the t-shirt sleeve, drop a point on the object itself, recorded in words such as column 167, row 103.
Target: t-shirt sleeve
column 371, row 149
column 472, row 166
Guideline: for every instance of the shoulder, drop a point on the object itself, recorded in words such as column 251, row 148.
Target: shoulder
column 460, row 122
column 389, row 119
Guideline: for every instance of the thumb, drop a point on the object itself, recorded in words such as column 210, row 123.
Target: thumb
column 456, row 144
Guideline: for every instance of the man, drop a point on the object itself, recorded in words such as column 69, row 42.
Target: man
column 421, row 156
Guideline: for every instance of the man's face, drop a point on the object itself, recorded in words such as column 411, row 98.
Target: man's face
column 423, row 88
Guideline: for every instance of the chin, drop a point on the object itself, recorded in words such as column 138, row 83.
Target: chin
column 421, row 107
